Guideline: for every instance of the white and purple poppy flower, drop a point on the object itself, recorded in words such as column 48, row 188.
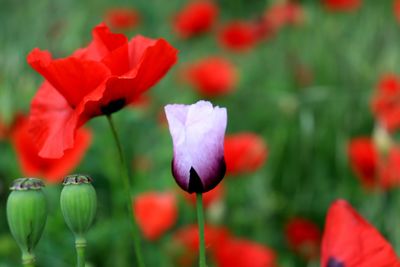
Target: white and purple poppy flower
column 197, row 131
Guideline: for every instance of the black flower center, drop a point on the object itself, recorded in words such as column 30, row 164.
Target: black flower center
column 332, row 262
column 195, row 184
column 113, row 106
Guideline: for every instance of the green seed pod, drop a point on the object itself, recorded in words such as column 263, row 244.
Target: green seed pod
column 27, row 214
column 78, row 203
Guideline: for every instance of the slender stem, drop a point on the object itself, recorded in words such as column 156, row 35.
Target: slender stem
column 80, row 246
column 200, row 222
column 126, row 186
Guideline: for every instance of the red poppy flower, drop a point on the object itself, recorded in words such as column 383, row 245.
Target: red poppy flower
column 195, row 18
column 364, row 160
column 52, row 170
column 188, row 237
column 303, row 237
column 155, row 213
column 342, row 5
column 350, row 241
column 386, row 102
column 396, row 9
column 282, row 14
column 239, row 35
column 209, row 197
column 122, row 18
column 244, row 152
column 211, row 77
column 389, row 169
column 97, row 80
column 244, row 253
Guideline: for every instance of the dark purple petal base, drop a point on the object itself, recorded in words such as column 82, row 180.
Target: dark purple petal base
column 195, row 184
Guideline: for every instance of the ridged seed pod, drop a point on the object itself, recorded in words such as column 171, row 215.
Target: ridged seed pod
column 27, row 214
column 78, row 203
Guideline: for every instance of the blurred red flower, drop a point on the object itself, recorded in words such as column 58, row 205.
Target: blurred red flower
column 282, row 14
column 209, row 197
column 304, row 237
column 96, row 80
column 349, row 240
column 239, row 35
column 389, row 169
column 155, row 213
column 244, row 152
column 52, row 170
column 186, row 242
column 342, row 5
column 195, row 18
column 122, row 18
column 244, row 253
column 373, row 168
column 211, row 77
column 386, row 102
column 364, row 160
column 396, row 9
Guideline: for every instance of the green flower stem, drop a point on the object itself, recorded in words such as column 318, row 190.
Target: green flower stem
column 126, row 186
column 200, row 222
column 80, row 245
column 28, row 259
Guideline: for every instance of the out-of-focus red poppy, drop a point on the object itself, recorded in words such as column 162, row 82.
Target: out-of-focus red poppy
column 122, row 18
column 364, row 160
column 52, row 170
column 209, row 197
column 244, row 253
column 282, row 14
column 239, row 35
column 350, row 241
column 187, row 241
column 244, row 152
column 211, row 77
column 389, row 169
column 342, row 5
column 195, row 18
column 155, row 213
column 304, row 237
column 375, row 170
column 97, row 80
column 386, row 102
column 396, row 9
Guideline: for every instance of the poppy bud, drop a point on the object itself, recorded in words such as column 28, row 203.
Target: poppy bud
column 78, row 203
column 26, row 215
column 197, row 131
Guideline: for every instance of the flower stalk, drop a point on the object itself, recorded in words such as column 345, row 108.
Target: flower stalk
column 127, row 193
column 200, row 222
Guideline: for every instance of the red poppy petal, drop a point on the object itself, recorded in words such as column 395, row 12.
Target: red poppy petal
column 351, row 240
column 71, row 157
column 104, row 42
column 73, row 78
column 153, row 65
column 51, row 119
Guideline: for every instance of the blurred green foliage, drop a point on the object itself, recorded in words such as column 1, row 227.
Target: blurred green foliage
column 307, row 126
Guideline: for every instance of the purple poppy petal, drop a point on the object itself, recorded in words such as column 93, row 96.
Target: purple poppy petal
column 198, row 138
